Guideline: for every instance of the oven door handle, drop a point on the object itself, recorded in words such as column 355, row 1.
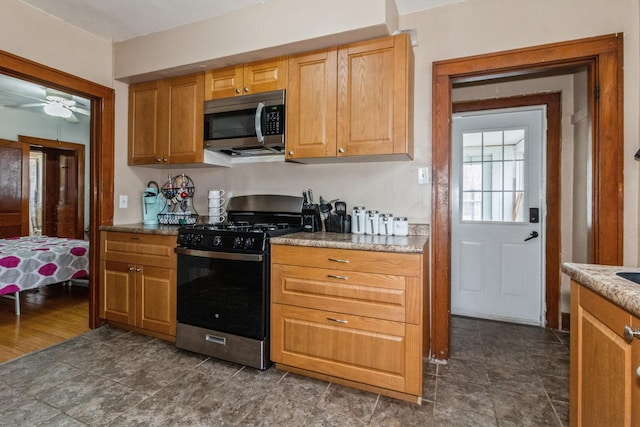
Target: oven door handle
column 219, row 255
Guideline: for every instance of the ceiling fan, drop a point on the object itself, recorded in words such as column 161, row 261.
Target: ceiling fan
column 56, row 104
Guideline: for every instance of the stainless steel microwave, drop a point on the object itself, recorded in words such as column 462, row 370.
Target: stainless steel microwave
column 246, row 125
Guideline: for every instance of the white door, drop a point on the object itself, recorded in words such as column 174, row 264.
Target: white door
column 496, row 235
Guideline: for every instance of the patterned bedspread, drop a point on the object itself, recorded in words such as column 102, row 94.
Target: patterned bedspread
column 34, row 261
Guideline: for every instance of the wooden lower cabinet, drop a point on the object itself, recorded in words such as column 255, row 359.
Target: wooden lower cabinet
column 605, row 382
column 139, row 293
column 347, row 324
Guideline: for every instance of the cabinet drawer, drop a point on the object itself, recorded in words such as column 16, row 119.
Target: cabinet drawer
column 345, row 259
column 365, row 294
column 145, row 249
column 372, row 351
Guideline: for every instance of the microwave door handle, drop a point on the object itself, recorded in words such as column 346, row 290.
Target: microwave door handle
column 258, row 122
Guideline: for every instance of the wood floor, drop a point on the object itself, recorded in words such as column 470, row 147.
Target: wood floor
column 50, row 315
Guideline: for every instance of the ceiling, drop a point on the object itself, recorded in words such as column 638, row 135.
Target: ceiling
column 119, row 20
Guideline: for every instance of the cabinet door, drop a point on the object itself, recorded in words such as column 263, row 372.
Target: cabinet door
column 265, row 76
column 635, row 376
column 311, row 105
column 144, row 115
column 117, row 292
column 156, row 299
column 372, row 97
column 602, row 394
column 182, row 133
column 224, row 82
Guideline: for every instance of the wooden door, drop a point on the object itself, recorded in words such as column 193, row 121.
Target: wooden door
column 265, row 76
column 224, row 82
column 144, row 115
column 372, row 97
column 117, row 292
column 311, row 105
column 182, row 129
column 156, row 299
column 14, row 191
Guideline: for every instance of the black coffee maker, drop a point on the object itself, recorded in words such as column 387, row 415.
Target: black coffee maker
column 311, row 219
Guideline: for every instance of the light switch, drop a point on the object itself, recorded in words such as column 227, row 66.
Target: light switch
column 424, row 176
column 124, row 201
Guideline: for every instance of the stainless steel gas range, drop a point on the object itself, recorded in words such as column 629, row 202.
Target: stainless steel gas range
column 223, row 279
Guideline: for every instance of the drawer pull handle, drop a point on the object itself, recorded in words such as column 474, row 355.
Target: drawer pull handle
column 344, row 261
column 215, row 339
column 331, row 319
column 333, row 276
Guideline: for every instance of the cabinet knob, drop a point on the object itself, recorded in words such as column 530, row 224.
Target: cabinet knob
column 340, row 150
column 158, row 159
column 130, row 268
column 237, row 90
column 629, row 333
column 246, row 89
column 165, row 160
column 638, row 371
column 138, row 269
column 291, row 152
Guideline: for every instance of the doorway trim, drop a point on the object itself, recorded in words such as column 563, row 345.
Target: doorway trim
column 552, row 229
column 101, row 151
column 78, row 150
column 603, row 57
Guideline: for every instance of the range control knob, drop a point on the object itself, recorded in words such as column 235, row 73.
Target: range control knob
column 237, row 242
column 217, row 240
column 249, row 242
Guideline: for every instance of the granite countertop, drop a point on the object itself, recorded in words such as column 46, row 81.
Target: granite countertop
column 414, row 243
column 603, row 280
column 165, row 230
column 403, row 244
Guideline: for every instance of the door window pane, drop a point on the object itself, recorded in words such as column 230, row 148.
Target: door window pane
column 493, row 175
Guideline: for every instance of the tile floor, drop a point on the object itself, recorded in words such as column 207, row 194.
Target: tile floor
column 499, row 375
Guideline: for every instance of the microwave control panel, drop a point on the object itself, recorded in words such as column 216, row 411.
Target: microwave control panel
column 274, row 120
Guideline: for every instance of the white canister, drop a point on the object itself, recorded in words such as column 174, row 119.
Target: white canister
column 400, row 226
column 386, row 224
column 357, row 219
column 371, row 222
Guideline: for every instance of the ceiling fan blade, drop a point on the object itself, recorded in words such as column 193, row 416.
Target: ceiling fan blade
column 39, row 104
column 11, row 94
column 72, row 119
column 79, row 110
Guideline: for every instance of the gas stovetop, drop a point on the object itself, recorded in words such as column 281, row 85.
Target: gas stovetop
column 252, row 221
column 234, row 237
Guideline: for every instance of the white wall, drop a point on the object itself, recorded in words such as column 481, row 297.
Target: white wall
column 27, row 32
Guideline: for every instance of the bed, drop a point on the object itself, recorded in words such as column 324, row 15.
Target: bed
column 33, row 261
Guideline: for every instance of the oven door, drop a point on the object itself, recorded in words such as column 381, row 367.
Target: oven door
column 222, row 291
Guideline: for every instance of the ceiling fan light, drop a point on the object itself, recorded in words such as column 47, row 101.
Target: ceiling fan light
column 56, row 109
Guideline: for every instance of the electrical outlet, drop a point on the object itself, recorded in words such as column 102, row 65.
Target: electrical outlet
column 424, row 176
column 124, row 201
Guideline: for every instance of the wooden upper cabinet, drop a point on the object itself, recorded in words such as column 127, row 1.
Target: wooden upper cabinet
column 165, row 121
column 353, row 101
column 242, row 79
column 184, row 124
column 144, row 113
column 375, row 97
column 311, row 104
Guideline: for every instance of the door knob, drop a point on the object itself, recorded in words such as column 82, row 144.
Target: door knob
column 533, row 235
